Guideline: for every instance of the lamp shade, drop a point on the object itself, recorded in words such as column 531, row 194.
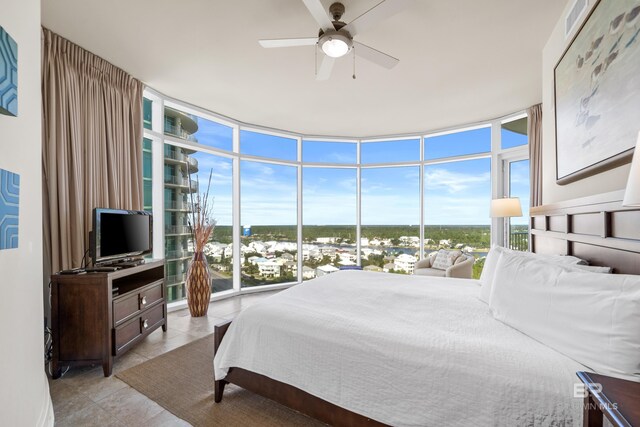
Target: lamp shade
column 506, row 207
column 632, row 192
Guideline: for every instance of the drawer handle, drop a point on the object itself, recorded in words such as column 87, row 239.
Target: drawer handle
column 143, row 300
column 145, row 323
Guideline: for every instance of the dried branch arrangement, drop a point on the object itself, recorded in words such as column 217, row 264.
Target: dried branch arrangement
column 201, row 221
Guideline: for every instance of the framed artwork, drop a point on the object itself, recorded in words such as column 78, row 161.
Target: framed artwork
column 8, row 74
column 597, row 92
column 9, row 209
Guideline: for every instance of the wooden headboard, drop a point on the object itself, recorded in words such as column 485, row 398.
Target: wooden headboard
column 596, row 228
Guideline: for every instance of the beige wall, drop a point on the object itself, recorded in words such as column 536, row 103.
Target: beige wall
column 24, row 391
column 611, row 180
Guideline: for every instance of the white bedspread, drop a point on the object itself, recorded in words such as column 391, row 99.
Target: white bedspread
column 403, row 350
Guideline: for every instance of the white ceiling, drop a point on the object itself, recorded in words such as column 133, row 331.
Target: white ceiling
column 461, row 61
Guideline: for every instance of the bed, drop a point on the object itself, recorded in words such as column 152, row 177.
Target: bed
column 360, row 348
column 404, row 351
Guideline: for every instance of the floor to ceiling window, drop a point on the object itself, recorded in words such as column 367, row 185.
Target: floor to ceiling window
column 457, row 197
column 390, row 218
column 457, row 193
column 514, row 139
column 329, row 214
column 290, row 208
column 268, row 199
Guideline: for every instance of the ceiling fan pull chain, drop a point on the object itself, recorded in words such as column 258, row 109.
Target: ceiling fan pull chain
column 354, row 62
column 316, row 59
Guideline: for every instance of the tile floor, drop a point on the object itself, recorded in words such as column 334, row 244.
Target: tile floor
column 84, row 397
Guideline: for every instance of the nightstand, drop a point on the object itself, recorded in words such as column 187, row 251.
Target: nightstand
column 618, row 400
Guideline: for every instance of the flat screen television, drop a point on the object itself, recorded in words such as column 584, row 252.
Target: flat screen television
column 120, row 234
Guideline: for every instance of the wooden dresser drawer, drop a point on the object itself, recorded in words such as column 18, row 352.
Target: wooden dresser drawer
column 138, row 327
column 151, row 318
column 151, row 295
column 127, row 333
column 124, row 308
column 129, row 306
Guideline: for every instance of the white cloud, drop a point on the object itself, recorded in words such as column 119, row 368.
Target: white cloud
column 454, row 182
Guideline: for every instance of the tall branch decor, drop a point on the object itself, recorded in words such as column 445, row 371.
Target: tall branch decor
column 201, row 226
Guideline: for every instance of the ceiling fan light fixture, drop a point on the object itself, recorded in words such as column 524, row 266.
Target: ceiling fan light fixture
column 335, row 44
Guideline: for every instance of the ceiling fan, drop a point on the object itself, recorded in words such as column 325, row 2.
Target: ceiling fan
column 336, row 38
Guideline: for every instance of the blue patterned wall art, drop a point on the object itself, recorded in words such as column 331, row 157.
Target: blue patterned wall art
column 9, row 202
column 8, row 74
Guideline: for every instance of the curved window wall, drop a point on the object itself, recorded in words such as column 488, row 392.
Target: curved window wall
column 291, row 208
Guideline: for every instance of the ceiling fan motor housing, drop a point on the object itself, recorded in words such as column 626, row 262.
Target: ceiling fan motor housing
column 336, row 10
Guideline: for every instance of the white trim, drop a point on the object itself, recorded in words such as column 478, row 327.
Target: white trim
column 236, row 213
column 47, row 416
column 497, row 225
column 358, row 207
column 462, row 158
column 157, row 196
column 450, row 131
column 391, row 139
column 331, row 165
column 330, row 140
column 422, row 198
column 270, row 161
column 300, row 211
column 183, row 143
column 514, row 117
column 390, row 165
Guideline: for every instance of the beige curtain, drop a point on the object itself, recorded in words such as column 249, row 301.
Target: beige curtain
column 91, row 151
column 535, row 153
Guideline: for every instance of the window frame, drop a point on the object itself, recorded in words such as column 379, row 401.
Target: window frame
column 156, row 134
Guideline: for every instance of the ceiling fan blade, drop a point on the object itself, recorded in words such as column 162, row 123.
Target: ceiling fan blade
column 375, row 56
column 325, row 68
column 376, row 14
column 319, row 14
column 307, row 41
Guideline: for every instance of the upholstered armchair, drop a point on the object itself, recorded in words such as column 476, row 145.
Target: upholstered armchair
column 462, row 267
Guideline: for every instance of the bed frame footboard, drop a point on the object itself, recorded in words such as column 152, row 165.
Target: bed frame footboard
column 286, row 394
column 218, row 334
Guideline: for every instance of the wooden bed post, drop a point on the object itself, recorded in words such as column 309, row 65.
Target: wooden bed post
column 218, row 334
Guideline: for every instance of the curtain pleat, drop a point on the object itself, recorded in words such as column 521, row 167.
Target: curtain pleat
column 91, row 152
column 535, row 153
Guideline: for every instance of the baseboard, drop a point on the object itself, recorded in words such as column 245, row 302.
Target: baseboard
column 46, row 418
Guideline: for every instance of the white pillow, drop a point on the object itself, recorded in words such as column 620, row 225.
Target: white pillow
column 595, row 269
column 592, row 318
column 490, row 263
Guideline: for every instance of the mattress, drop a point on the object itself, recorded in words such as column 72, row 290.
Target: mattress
column 405, row 351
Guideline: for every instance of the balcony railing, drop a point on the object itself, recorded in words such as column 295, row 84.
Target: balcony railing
column 180, row 253
column 519, row 240
column 177, row 180
column 177, row 131
column 175, row 155
column 176, row 278
column 193, row 163
column 176, row 229
column 177, row 205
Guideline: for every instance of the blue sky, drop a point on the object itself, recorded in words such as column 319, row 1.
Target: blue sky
column 456, row 193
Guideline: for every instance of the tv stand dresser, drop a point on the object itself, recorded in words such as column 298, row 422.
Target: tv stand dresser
column 98, row 316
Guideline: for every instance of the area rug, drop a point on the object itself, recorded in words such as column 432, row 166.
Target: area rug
column 181, row 381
